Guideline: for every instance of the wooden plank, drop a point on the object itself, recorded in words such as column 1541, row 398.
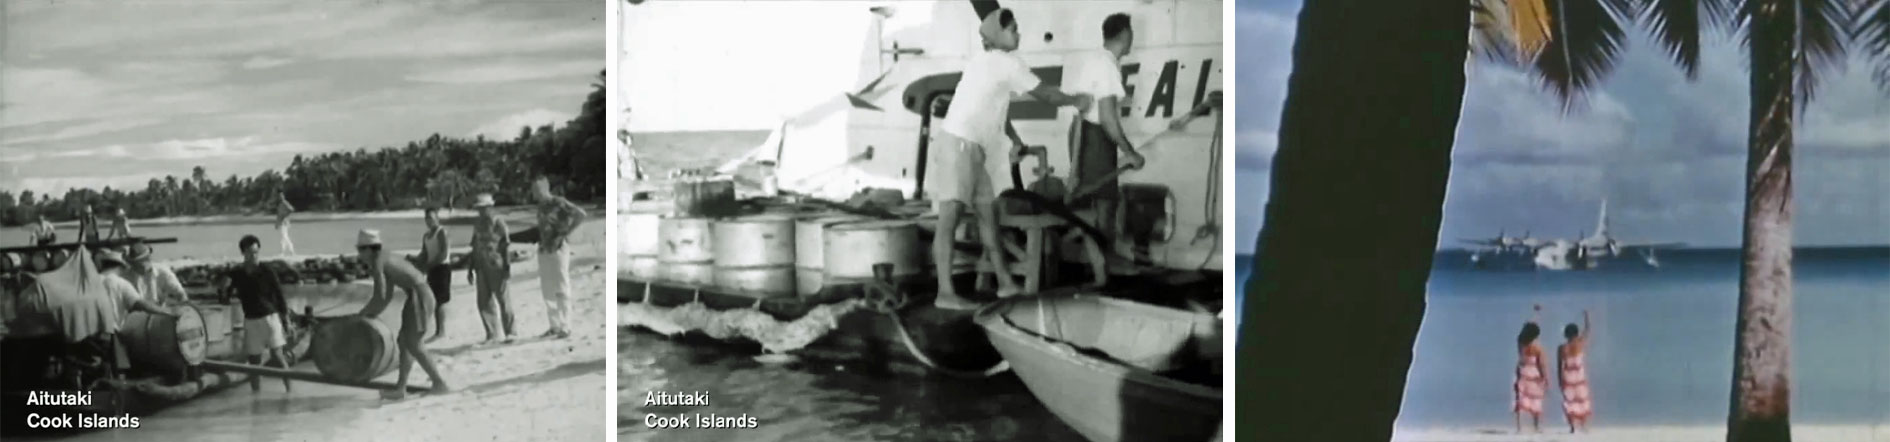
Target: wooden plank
column 102, row 243
column 303, row 376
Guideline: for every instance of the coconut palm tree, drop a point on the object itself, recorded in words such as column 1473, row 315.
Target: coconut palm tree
column 1337, row 298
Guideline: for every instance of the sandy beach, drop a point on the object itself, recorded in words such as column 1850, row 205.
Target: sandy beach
column 104, row 219
column 1852, row 433
column 532, row 389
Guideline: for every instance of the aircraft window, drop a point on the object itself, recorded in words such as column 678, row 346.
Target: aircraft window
column 1048, row 36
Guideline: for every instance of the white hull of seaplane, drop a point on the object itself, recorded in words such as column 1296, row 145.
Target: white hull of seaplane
column 914, row 51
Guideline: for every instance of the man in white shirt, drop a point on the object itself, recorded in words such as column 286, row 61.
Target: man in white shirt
column 1097, row 135
column 978, row 123
column 155, row 282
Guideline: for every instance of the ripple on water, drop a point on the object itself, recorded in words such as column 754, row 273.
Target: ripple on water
column 817, row 401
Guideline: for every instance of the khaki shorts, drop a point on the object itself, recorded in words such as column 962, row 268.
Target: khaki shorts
column 263, row 334
column 964, row 174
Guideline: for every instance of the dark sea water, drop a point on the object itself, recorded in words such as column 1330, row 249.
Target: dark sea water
column 1662, row 342
column 818, row 401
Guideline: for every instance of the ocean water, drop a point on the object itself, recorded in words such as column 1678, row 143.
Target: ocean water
column 1662, row 339
column 806, row 401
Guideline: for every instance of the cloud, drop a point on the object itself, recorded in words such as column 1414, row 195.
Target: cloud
column 1667, row 153
column 507, row 127
column 509, row 71
column 240, row 87
column 262, row 62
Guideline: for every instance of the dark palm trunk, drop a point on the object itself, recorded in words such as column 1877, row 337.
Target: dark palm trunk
column 1338, row 285
column 1761, row 387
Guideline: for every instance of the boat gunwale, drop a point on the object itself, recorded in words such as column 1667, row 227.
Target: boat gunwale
column 996, row 326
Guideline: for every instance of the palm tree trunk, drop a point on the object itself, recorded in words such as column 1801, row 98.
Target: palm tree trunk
column 1761, row 387
column 1338, row 287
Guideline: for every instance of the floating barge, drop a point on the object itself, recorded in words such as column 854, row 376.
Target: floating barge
column 155, row 361
column 820, row 281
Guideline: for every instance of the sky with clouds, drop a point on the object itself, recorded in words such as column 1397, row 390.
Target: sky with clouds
column 109, row 93
column 682, row 69
column 1668, row 154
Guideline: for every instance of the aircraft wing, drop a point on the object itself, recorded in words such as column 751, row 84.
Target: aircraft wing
column 1480, row 242
column 1662, row 245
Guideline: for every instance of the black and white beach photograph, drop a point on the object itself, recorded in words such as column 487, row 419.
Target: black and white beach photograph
column 277, row 220
column 919, row 220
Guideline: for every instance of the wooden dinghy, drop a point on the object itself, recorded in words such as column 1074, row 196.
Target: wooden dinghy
column 1114, row 370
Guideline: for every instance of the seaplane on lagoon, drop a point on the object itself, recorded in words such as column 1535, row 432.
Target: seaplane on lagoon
column 877, row 137
column 1584, row 253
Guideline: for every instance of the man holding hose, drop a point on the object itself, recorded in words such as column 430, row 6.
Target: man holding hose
column 1096, row 134
column 978, row 123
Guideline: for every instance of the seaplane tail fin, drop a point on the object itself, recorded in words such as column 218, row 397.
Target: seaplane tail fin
column 1601, row 223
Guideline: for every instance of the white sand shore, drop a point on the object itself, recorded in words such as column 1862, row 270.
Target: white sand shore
column 529, row 390
column 1713, row 433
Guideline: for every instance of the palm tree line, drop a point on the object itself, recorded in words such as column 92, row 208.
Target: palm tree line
column 438, row 171
column 1363, row 162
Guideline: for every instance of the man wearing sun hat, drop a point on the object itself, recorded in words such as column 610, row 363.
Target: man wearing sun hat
column 975, row 128
column 155, row 282
column 491, row 269
column 124, row 297
column 390, row 273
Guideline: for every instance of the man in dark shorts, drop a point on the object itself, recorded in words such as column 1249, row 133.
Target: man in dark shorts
column 1097, row 134
column 433, row 258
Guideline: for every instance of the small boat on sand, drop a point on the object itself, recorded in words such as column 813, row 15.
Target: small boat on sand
column 1114, row 370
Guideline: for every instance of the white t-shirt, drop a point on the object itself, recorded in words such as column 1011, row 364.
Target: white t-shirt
column 1095, row 72
column 982, row 101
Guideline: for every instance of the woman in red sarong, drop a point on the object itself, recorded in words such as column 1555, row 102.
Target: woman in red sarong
column 1577, row 405
column 1532, row 382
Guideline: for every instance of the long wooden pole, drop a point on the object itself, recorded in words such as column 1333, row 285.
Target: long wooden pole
column 303, row 376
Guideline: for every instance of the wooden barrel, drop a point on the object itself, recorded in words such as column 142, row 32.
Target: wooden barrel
column 872, row 242
column 354, row 349
column 165, row 345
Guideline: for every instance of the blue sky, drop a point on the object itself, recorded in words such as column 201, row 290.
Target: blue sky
column 110, row 93
column 1668, row 154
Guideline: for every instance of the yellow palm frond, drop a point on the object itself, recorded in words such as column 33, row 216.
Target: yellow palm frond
column 1529, row 26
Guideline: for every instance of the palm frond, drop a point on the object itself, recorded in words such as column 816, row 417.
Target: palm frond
column 1585, row 48
column 1678, row 25
column 1821, row 36
column 1873, row 32
column 1490, row 32
column 1529, row 20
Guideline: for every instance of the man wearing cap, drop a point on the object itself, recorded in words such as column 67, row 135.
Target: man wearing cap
column 265, row 311
column 491, row 269
column 976, row 125
column 125, row 298
column 557, row 218
column 121, row 226
column 154, row 281
column 391, row 273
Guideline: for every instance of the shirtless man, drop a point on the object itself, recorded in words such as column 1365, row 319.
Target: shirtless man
column 389, row 273
column 283, row 209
